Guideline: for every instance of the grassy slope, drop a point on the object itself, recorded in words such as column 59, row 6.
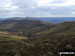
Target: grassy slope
column 7, row 36
column 66, row 27
column 10, row 44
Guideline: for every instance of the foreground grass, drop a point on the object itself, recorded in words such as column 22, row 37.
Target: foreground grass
column 11, row 45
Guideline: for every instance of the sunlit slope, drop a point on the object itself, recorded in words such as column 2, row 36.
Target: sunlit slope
column 7, row 36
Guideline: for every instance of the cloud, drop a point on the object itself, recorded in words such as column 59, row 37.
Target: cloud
column 37, row 8
column 56, row 3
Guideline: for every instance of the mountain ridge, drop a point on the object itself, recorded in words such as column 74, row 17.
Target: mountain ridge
column 55, row 20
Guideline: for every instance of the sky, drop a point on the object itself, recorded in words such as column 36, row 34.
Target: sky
column 37, row 8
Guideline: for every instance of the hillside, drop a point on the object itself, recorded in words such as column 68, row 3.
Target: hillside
column 24, row 26
column 47, row 43
column 66, row 27
column 60, row 38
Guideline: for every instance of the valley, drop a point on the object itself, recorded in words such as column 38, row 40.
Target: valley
column 26, row 37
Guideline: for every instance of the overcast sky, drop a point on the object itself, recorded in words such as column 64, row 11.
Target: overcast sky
column 37, row 8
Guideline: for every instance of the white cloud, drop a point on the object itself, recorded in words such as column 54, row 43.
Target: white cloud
column 50, row 3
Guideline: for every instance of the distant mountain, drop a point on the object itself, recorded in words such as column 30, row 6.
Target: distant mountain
column 55, row 20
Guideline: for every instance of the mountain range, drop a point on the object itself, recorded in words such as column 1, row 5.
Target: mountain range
column 55, row 20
